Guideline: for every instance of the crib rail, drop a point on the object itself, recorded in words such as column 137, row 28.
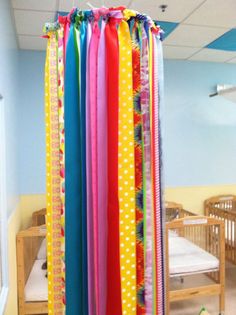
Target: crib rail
column 226, row 212
column 208, row 234
column 176, row 211
column 27, row 246
column 224, row 202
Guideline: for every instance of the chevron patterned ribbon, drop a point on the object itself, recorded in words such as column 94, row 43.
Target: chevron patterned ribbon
column 138, row 139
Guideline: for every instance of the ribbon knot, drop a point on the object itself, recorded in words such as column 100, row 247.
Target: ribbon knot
column 128, row 14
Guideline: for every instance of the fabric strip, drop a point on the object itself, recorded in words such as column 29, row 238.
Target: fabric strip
column 113, row 244
column 156, row 181
column 82, row 108
column 54, row 210
column 145, row 103
column 48, row 182
column 126, row 173
column 93, row 55
column 90, row 246
column 72, row 183
column 138, row 138
column 102, row 170
column 60, row 69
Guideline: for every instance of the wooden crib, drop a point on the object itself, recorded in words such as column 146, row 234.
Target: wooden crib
column 28, row 244
column 176, row 211
column 195, row 245
column 223, row 207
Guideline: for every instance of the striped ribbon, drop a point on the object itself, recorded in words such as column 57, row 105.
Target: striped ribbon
column 145, row 102
column 126, row 173
column 156, row 181
column 138, row 138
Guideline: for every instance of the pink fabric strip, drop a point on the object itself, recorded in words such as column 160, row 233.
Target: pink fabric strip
column 93, row 70
column 145, row 103
column 102, row 171
column 91, row 296
column 157, row 190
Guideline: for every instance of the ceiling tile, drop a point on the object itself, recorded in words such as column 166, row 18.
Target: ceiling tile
column 32, row 22
column 167, row 27
column 215, row 13
column 175, row 12
column 226, row 42
column 42, row 5
column 67, row 5
column 114, row 3
column 32, row 42
column 194, row 36
column 176, row 52
column 213, row 55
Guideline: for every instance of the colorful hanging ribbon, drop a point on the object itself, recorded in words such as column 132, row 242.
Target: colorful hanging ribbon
column 138, row 138
column 102, row 170
column 73, row 215
column 126, row 173
column 55, row 272
column 104, row 218
column 113, row 242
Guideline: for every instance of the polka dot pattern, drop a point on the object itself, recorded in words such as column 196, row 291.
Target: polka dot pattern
column 126, row 174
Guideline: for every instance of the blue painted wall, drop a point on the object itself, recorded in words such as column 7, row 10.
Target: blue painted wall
column 10, row 92
column 199, row 137
column 199, row 133
column 32, row 125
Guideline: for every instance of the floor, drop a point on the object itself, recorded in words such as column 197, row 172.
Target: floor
column 192, row 307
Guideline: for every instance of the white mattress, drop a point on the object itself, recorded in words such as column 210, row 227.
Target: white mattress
column 187, row 258
column 36, row 288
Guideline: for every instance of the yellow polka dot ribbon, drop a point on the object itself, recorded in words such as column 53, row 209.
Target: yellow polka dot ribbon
column 126, row 173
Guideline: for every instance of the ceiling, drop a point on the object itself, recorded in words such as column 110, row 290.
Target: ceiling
column 202, row 30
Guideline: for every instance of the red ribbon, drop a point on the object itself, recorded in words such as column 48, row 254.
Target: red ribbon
column 113, row 244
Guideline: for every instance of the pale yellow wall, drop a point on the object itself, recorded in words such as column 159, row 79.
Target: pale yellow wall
column 192, row 198
column 14, row 225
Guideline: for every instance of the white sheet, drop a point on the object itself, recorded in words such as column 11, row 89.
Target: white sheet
column 187, row 258
column 36, row 288
column 42, row 253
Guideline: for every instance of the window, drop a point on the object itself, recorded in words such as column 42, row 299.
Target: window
column 3, row 213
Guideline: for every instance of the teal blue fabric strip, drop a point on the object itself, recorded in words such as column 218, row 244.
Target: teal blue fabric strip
column 73, row 226
column 83, row 59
